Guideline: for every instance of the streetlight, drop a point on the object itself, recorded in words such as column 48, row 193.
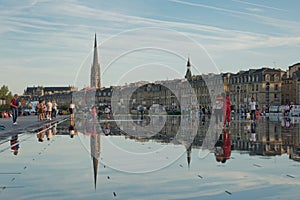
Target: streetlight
column 268, row 95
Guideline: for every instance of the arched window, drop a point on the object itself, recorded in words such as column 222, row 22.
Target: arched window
column 267, row 77
column 276, row 77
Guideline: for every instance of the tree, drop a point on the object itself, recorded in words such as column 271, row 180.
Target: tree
column 5, row 95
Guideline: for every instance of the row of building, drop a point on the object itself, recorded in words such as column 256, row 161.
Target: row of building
column 268, row 86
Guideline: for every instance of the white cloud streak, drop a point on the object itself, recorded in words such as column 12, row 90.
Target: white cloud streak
column 282, row 24
column 259, row 5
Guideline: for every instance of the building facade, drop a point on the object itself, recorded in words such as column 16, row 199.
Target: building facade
column 264, row 85
column 290, row 85
column 62, row 95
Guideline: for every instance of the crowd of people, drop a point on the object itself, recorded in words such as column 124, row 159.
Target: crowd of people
column 46, row 111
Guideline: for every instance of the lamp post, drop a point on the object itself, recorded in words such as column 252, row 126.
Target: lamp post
column 268, row 95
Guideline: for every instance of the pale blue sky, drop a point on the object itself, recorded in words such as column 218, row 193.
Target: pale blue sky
column 49, row 42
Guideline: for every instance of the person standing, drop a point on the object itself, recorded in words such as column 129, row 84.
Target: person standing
column 54, row 109
column 49, row 110
column 252, row 105
column 14, row 108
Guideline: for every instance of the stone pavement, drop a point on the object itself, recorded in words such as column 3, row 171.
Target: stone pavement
column 25, row 124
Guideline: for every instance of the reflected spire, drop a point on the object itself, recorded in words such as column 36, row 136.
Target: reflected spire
column 95, row 152
column 188, row 154
column 95, row 167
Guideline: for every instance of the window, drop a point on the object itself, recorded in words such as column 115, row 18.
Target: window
column 275, row 96
column 276, row 77
column 267, row 77
column 256, row 87
column 276, row 87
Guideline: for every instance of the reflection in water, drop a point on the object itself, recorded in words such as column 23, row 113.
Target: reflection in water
column 41, row 133
column 223, row 147
column 263, row 137
column 107, row 128
column 243, row 140
column 90, row 126
column 72, row 129
column 14, row 144
column 49, row 130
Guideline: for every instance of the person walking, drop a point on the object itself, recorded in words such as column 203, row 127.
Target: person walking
column 14, row 108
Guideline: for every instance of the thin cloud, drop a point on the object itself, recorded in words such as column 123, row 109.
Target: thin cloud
column 283, row 24
column 254, row 9
column 259, row 5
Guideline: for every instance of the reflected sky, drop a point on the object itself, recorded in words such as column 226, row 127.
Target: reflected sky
column 62, row 167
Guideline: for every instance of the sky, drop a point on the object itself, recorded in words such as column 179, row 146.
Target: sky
column 50, row 42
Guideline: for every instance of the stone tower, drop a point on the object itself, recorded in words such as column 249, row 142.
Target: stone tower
column 95, row 69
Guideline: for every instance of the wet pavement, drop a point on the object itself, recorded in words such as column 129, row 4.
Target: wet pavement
column 162, row 157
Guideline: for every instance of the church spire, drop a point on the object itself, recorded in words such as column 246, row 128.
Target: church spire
column 95, row 68
column 188, row 74
column 95, row 44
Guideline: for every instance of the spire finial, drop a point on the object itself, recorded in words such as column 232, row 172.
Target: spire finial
column 95, row 45
column 188, row 62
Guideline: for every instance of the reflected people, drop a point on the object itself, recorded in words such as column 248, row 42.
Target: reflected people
column 72, row 129
column 41, row 133
column 14, row 144
column 252, row 134
column 49, row 132
column 223, row 147
column 107, row 129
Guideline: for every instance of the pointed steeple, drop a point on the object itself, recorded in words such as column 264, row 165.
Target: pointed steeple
column 188, row 74
column 95, row 44
column 95, row 68
column 188, row 64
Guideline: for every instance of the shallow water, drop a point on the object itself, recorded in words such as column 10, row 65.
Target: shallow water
column 162, row 166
